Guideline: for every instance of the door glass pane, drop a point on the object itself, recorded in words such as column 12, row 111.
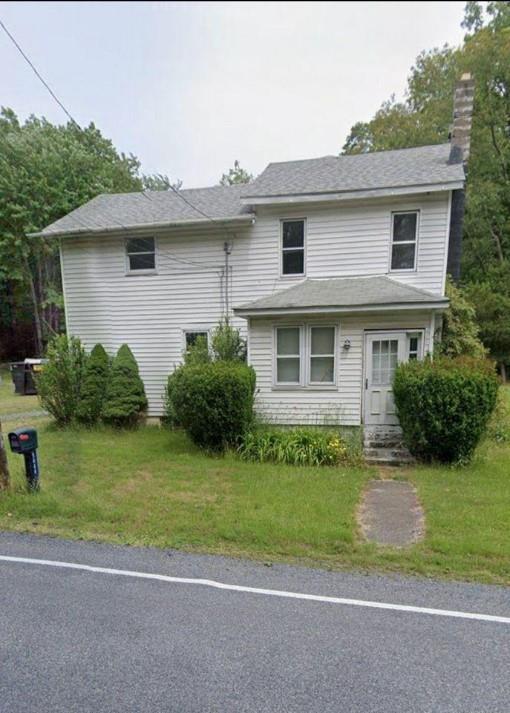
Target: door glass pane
column 323, row 340
column 322, row 370
column 287, row 370
column 287, row 339
column 384, row 360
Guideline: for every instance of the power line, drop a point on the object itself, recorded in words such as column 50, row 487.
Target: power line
column 36, row 72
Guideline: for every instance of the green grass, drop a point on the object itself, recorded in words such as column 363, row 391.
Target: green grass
column 153, row 487
column 11, row 403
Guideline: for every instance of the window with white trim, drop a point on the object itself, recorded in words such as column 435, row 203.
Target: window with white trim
column 414, row 346
column 322, row 355
column 288, row 355
column 141, row 254
column 192, row 336
column 293, row 247
column 404, row 235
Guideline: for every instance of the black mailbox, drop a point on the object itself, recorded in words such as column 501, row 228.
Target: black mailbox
column 23, row 440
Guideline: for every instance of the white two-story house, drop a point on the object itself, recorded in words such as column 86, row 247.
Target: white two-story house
column 333, row 268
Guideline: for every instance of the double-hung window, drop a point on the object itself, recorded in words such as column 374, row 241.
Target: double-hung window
column 404, row 237
column 293, row 247
column 141, row 254
column 288, row 355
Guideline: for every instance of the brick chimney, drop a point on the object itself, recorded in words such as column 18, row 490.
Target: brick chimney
column 462, row 118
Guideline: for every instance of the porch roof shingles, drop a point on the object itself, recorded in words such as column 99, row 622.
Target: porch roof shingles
column 343, row 293
column 116, row 211
column 424, row 165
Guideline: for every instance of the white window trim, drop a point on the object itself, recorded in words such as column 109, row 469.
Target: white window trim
column 148, row 271
column 305, row 348
column 420, row 333
column 196, row 330
column 294, row 275
column 288, row 384
column 310, row 355
column 414, row 242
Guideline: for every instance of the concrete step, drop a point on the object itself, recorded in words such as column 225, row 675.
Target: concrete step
column 393, row 462
column 382, row 443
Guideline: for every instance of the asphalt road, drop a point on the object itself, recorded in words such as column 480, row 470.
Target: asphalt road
column 85, row 641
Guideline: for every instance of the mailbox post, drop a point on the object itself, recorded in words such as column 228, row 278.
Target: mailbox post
column 24, row 441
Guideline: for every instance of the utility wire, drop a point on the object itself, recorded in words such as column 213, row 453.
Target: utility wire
column 36, row 72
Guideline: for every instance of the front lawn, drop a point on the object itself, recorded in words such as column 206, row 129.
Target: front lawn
column 11, row 403
column 152, row 487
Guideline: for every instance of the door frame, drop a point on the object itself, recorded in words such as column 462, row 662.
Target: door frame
column 406, row 332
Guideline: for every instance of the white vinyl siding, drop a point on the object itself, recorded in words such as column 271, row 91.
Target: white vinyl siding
column 313, row 405
column 152, row 312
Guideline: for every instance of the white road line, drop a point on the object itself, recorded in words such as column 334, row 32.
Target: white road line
column 256, row 590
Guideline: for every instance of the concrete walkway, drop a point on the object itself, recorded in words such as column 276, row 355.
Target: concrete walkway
column 35, row 413
column 390, row 513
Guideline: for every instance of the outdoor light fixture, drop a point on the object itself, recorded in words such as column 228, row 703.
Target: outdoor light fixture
column 347, row 345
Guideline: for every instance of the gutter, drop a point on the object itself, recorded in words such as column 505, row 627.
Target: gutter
column 350, row 195
column 438, row 305
column 146, row 228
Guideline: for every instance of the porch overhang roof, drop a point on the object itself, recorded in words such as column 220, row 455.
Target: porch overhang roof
column 343, row 296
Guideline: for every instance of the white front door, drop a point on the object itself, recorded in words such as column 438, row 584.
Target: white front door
column 383, row 351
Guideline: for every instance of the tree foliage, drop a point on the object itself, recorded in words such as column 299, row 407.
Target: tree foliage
column 46, row 171
column 237, row 174
column 425, row 117
column 460, row 333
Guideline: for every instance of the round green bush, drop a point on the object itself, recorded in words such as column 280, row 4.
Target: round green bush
column 93, row 386
column 444, row 406
column 213, row 402
column 125, row 398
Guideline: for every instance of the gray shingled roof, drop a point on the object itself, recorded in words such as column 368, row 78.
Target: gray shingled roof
column 341, row 293
column 149, row 209
column 424, row 165
column 404, row 168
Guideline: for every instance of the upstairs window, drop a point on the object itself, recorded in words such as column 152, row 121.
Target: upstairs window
column 403, row 240
column 293, row 247
column 141, row 254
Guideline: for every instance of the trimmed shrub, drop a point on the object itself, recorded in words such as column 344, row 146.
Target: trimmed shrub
column 444, row 406
column 94, row 385
column 125, row 399
column 295, row 446
column 213, row 402
column 59, row 383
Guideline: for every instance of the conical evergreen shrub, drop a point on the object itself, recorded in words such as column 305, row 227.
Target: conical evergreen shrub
column 125, row 394
column 93, row 386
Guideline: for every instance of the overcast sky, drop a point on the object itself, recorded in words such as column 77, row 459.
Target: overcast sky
column 190, row 86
